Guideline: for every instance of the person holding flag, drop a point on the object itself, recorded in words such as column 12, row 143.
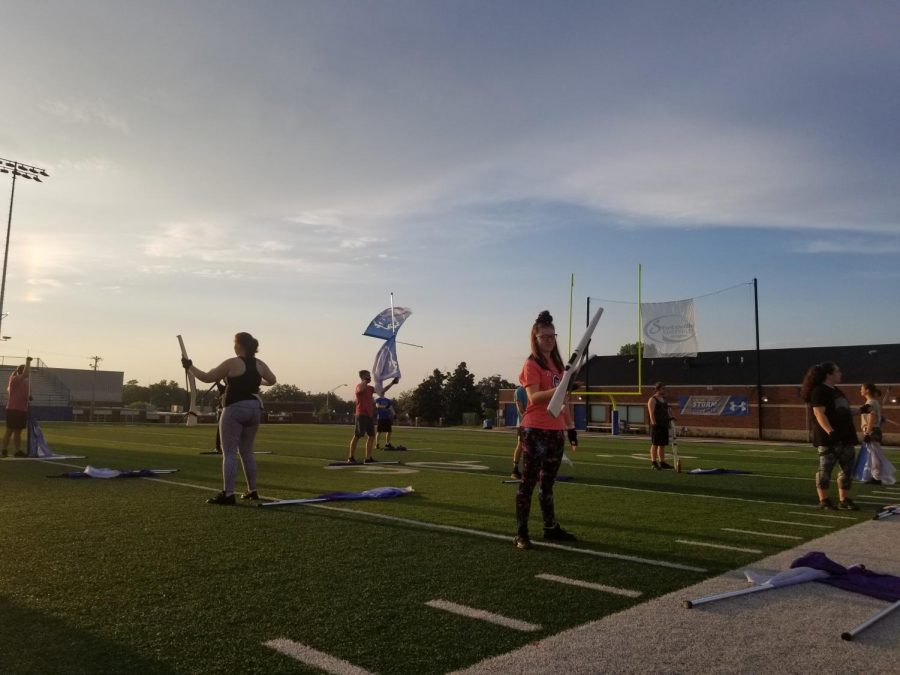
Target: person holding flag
column 242, row 410
column 658, row 412
column 543, row 436
column 365, row 415
column 17, row 408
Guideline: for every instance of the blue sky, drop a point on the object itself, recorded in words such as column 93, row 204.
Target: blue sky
column 282, row 167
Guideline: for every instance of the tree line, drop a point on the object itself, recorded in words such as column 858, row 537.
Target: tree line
column 442, row 397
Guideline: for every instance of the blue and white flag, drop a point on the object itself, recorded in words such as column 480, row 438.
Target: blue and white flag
column 37, row 444
column 388, row 322
column 386, row 366
column 374, row 493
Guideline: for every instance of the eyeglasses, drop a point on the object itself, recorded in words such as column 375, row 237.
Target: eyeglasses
column 547, row 336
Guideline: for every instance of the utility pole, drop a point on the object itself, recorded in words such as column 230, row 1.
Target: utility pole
column 17, row 169
column 96, row 360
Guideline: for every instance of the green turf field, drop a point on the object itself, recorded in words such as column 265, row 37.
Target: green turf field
column 140, row 575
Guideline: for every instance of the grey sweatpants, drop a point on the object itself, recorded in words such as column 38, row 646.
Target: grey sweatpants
column 238, row 426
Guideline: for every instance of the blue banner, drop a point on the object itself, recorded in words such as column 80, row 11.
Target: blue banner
column 734, row 406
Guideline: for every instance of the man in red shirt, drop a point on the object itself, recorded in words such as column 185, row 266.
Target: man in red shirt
column 365, row 415
column 17, row 408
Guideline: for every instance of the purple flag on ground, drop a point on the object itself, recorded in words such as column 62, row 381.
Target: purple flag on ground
column 856, row 578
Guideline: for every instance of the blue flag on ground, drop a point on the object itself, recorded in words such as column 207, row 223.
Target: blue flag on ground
column 856, row 578
column 374, row 493
column 705, row 472
column 98, row 472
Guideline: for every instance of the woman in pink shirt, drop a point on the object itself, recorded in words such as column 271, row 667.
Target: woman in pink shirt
column 543, row 436
column 17, row 408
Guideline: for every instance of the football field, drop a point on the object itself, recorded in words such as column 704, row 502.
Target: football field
column 141, row 575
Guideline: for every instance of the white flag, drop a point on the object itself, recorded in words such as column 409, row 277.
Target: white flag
column 669, row 329
column 386, row 366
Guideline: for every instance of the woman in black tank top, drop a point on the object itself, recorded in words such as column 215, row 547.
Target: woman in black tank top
column 240, row 418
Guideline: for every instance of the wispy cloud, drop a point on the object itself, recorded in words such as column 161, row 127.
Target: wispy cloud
column 86, row 112
column 851, row 245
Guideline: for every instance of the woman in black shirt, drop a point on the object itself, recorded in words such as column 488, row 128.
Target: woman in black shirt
column 833, row 431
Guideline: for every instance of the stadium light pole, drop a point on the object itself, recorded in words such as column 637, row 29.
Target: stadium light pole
column 328, row 399
column 28, row 172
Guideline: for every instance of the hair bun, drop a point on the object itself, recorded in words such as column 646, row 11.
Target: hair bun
column 544, row 318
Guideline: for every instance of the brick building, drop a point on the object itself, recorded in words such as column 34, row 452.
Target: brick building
column 728, row 393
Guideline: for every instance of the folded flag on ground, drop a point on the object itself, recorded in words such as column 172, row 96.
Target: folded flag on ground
column 99, row 472
column 711, row 472
column 374, row 493
column 855, row 578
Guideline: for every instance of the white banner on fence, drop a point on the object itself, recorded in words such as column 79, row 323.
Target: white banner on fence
column 669, row 329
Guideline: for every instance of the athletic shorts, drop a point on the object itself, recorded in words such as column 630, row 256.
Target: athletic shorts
column 659, row 435
column 364, row 426
column 16, row 420
column 384, row 426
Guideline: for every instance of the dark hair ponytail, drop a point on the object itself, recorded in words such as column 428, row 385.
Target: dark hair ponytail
column 249, row 343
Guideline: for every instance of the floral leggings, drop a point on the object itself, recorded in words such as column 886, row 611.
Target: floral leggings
column 542, row 452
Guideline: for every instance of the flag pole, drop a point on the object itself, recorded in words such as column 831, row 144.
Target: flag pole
column 393, row 332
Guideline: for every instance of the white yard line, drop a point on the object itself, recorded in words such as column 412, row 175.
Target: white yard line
column 791, row 522
column 482, row 615
column 820, row 515
column 466, row 530
column 313, row 657
column 761, row 534
column 587, row 584
column 688, row 542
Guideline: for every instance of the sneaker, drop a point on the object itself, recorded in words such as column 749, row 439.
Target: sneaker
column 848, row 505
column 665, row 465
column 516, row 474
column 523, row 543
column 252, row 494
column 655, row 465
column 556, row 533
column 827, row 504
column 19, row 453
column 388, row 446
column 352, row 460
column 370, row 460
column 221, row 498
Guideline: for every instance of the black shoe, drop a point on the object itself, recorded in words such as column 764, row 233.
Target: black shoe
column 655, row 465
column 871, row 481
column 222, row 499
column 370, row 460
column 523, row 543
column 19, row 453
column 665, row 465
column 252, row 494
column 827, row 504
column 516, row 474
column 388, row 446
column 848, row 505
column 352, row 460
column 556, row 533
